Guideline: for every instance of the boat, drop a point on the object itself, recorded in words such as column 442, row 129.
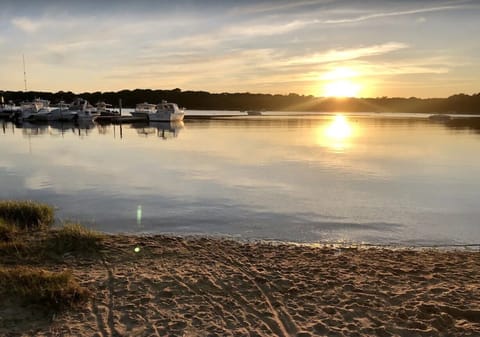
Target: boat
column 144, row 109
column 60, row 113
column 163, row 112
column 83, row 110
column 80, row 109
column 7, row 110
column 29, row 109
column 167, row 112
column 254, row 113
column 104, row 109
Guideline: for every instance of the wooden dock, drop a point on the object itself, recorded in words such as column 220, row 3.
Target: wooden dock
column 130, row 119
column 119, row 119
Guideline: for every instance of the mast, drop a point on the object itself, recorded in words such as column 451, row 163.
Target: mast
column 24, row 73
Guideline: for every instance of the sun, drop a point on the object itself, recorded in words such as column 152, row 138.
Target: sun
column 340, row 82
column 341, row 88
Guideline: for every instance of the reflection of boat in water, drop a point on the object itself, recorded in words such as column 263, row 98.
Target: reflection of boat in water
column 55, row 127
column 163, row 112
column 163, row 130
column 440, row 117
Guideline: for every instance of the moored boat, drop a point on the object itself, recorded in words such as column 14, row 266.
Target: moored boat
column 144, row 109
column 167, row 112
column 30, row 109
column 163, row 112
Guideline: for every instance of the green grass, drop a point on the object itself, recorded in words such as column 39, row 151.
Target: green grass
column 26, row 215
column 74, row 238
column 49, row 289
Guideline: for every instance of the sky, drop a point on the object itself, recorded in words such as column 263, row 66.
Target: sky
column 370, row 48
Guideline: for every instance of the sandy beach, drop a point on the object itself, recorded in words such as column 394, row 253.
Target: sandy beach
column 168, row 286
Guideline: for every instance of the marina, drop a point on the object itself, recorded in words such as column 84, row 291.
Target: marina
column 316, row 178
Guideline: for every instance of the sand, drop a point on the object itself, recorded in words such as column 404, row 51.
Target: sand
column 212, row 287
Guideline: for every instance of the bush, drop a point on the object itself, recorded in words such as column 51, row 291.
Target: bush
column 32, row 285
column 26, row 214
column 74, row 238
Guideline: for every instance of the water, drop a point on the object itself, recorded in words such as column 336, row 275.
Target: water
column 365, row 178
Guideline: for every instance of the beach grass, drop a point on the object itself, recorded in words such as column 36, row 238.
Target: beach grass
column 74, row 238
column 26, row 215
column 7, row 232
column 53, row 290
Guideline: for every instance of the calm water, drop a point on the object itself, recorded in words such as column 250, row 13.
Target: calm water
column 372, row 179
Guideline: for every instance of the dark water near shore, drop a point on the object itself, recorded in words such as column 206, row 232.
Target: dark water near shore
column 375, row 178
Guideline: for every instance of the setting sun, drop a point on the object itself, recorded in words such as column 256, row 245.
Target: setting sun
column 339, row 83
column 341, row 88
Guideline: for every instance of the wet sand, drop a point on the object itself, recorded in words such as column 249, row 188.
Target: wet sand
column 212, row 287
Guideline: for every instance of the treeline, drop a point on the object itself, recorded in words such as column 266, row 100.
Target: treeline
column 201, row 100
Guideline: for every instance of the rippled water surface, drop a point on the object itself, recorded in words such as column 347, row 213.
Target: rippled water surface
column 370, row 178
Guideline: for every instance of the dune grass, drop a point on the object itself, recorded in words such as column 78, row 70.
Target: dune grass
column 7, row 232
column 26, row 241
column 74, row 238
column 53, row 290
column 26, row 215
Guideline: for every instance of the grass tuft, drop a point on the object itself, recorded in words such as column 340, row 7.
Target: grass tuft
column 33, row 285
column 26, row 215
column 74, row 238
column 8, row 232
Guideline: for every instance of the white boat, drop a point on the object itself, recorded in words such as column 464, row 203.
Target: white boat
column 144, row 109
column 167, row 112
column 104, row 109
column 30, row 109
column 61, row 113
column 163, row 112
column 7, row 110
column 83, row 110
column 80, row 109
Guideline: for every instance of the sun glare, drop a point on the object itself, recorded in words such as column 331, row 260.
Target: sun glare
column 339, row 83
column 341, row 88
column 339, row 129
column 337, row 134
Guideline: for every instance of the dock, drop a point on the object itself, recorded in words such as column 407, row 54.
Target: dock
column 130, row 119
column 119, row 119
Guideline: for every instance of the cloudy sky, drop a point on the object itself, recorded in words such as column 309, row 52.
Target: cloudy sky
column 371, row 48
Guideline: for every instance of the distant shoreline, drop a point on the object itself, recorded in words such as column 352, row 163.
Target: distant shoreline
column 201, row 100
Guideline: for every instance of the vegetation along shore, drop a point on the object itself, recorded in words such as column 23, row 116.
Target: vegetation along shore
column 202, row 100
column 71, row 281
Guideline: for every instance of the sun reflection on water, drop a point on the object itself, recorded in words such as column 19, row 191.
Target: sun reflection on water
column 337, row 134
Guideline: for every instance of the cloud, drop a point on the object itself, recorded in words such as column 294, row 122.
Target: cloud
column 336, row 55
column 276, row 6
column 266, row 29
column 388, row 14
column 26, row 25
